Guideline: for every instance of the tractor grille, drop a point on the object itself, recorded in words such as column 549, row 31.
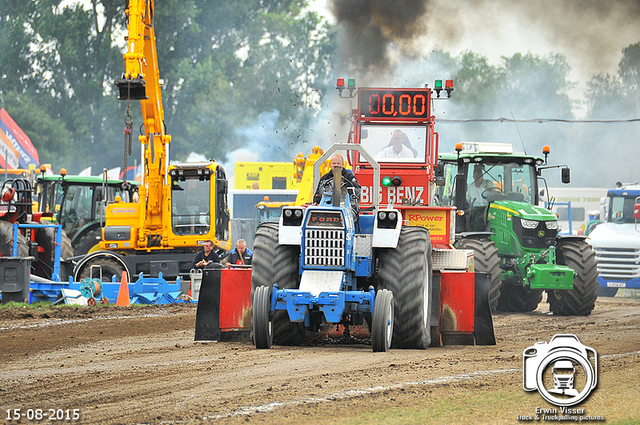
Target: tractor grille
column 324, row 247
column 538, row 238
column 618, row 263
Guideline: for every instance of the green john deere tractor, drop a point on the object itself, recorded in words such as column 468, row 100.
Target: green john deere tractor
column 78, row 202
column 514, row 239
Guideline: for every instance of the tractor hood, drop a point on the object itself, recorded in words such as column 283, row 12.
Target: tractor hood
column 523, row 210
column 612, row 235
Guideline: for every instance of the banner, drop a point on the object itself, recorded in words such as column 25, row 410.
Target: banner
column 21, row 143
column 9, row 157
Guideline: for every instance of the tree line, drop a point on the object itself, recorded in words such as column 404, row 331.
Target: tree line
column 229, row 64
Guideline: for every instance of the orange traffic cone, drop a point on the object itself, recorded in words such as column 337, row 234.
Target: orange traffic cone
column 123, row 294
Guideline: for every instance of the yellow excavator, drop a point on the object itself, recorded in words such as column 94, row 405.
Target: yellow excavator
column 180, row 206
column 270, row 211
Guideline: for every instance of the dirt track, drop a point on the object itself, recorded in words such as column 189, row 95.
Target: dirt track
column 141, row 365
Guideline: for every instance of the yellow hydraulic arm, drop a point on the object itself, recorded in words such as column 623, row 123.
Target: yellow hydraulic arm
column 141, row 81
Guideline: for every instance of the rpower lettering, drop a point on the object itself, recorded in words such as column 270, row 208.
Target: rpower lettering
column 425, row 218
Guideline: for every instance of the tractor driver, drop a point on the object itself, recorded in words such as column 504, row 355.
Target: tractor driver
column 348, row 179
column 478, row 187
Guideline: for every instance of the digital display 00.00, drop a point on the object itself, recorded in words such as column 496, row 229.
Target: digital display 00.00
column 391, row 103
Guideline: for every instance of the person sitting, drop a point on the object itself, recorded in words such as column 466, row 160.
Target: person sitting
column 399, row 147
column 241, row 255
column 477, row 198
column 348, row 180
column 206, row 257
column 477, row 190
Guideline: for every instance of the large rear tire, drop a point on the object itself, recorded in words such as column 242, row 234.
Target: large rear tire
column 580, row 300
column 87, row 241
column 6, row 242
column 275, row 263
column 45, row 238
column 517, row 298
column 407, row 272
column 485, row 260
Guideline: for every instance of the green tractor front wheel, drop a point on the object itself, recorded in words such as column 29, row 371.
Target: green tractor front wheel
column 580, row 300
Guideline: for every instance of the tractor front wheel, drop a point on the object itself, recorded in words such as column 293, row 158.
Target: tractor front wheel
column 580, row 300
column 519, row 299
column 261, row 325
column 382, row 322
column 275, row 263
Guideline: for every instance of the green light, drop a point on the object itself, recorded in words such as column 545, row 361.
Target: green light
column 386, row 181
column 438, row 84
column 351, row 82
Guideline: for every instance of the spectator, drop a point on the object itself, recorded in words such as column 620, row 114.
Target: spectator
column 240, row 255
column 206, row 256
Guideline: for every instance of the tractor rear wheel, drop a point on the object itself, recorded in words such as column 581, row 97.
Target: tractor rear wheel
column 260, row 323
column 580, row 300
column 275, row 263
column 485, row 260
column 46, row 238
column 407, row 272
column 517, row 298
column 87, row 241
column 382, row 322
column 6, row 242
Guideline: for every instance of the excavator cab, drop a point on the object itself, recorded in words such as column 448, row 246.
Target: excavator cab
column 198, row 200
column 191, row 208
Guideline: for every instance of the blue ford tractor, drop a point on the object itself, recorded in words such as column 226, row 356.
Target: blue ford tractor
column 325, row 264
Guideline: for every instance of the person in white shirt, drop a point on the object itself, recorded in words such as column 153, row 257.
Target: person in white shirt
column 397, row 148
column 478, row 187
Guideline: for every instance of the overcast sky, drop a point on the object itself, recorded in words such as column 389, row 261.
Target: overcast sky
column 589, row 33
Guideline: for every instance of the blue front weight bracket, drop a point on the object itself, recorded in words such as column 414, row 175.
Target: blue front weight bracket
column 332, row 304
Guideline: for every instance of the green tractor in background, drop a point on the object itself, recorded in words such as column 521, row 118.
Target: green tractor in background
column 78, row 203
column 496, row 193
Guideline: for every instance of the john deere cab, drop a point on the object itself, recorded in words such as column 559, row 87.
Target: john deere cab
column 496, row 194
column 78, row 204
